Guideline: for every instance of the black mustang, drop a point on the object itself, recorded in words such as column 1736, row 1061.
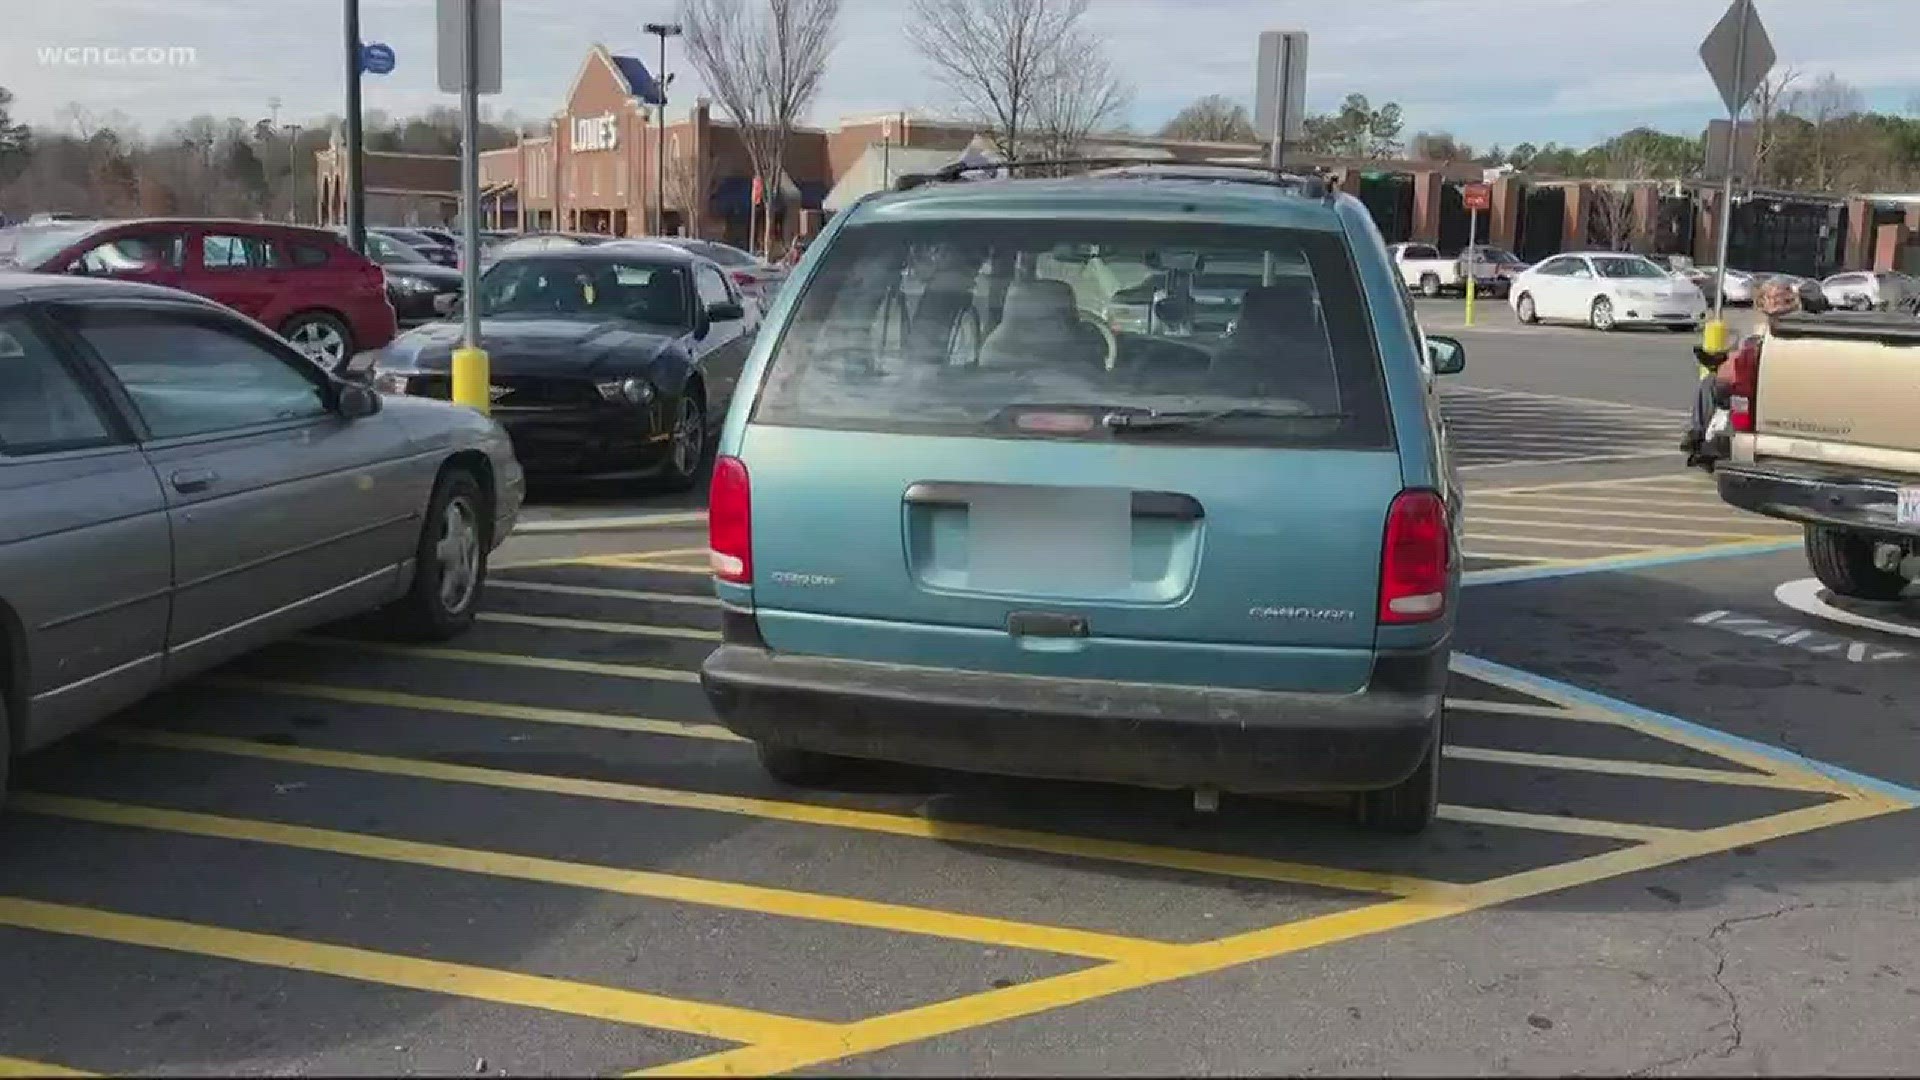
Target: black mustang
column 614, row 361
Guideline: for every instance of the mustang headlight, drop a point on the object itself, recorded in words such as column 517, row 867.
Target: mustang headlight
column 632, row 390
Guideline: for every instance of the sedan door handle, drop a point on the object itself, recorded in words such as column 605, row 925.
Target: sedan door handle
column 188, row 481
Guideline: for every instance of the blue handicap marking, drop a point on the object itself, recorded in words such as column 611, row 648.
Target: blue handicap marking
column 376, row 58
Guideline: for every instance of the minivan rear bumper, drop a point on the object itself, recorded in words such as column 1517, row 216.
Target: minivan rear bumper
column 1153, row 735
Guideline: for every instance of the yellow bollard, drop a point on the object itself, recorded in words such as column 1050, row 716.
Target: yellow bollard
column 470, row 379
column 1469, row 298
column 1713, row 336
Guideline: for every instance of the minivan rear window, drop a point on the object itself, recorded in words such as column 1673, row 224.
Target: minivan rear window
column 1083, row 329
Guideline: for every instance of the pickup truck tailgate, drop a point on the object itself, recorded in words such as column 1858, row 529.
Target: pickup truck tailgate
column 1840, row 389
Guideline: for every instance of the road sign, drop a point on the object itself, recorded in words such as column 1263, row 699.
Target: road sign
column 1476, row 197
column 1280, row 85
column 1746, row 150
column 450, row 19
column 1737, row 54
column 376, row 58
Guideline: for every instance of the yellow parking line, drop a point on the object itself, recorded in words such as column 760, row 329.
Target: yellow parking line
column 21, row 1067
column 413, row 973
column 1625, row 481
column 671, row 568
column 1086, row 847
column 1514, row 819
column 1591, row 526
column 632, row 557
column 1648, row 769
column 1601, row 562
column 543, row 663
column 646, row 725
column 1674, row 735
column 1516, row 708
column 1074, row 988
column 1629, row 511
column 598, row 626
column 1504, row 556
column 1625, row 498
column 605, row 593
column 786, row 903
column 1471, row 535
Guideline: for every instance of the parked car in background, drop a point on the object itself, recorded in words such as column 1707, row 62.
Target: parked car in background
column 200, row 488
column 419, row 290
column 1869, row 290
column 1214, row 562
column 53, row 217
column 1740, row 283
column 1506, row 265
column 1423, row 269
column 430, row 248
column 528, row 243
column 304, row 283
column 612, row 361
column 1813, row 298
column 753, row 275
column 1606, row 290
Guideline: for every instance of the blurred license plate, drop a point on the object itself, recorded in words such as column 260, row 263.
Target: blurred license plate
column 1907, row 511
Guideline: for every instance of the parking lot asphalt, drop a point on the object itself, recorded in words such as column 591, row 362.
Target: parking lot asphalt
column 1675, row 839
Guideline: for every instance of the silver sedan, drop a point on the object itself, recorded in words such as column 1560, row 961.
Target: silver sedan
column 178, row 486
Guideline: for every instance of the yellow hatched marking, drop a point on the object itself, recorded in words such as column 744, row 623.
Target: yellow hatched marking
column 21, row 1067
column 1648, row 769
column 1498, row 538
column 543, row 663
column 413, row 973
column 602, row 592
column 1625, row 498
column 1568, row 485
column 552, row 622
column 647, row 725
column 1602, row 562
column 1475, row 519
column 1629, row 512
column 640, row 883
column 1115, row 851
column 1505, row 557
column 1045, row 995
column 1516, row 708
column 1514, row 819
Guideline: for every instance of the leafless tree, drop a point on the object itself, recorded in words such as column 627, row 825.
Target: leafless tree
column 998, row 57
column 1825, row 105
column 1083, row 96
column 687, row 188
column 1765, row 106
column 1611, row 213
column 1213, row 118
column 1438, row 146
column 763, row 61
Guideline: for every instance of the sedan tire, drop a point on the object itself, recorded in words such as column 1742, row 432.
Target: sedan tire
column 687, row 442
column 320, row 335
column 450, row 564
column 1524, row 310
column 1600, row 316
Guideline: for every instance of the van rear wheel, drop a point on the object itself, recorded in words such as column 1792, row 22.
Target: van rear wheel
column 1409, row 806
column 800, row 768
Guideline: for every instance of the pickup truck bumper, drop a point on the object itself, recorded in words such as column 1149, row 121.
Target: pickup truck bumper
column 1812, row 494
column 1149, row 735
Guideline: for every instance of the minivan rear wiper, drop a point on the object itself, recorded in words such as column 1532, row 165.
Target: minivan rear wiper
column 1158, row 421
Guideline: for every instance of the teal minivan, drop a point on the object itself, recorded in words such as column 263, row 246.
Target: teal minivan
column 1134, row 476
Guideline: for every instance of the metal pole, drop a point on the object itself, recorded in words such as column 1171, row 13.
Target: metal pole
column 356, row 189
column 1470, row 258
column 470, row 374
column 1285, row 81
column 660, row 154
column 1715, row 336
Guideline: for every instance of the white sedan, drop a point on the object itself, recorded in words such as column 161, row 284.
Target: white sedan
column 1606, row 289
column 1864, row 290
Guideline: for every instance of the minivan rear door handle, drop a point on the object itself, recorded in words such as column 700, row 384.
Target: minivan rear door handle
column 1146, row 504
column 188, row 481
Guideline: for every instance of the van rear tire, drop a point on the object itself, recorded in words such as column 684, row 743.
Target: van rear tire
column 1843, row 562
column 1409, row 806
column 800, row 768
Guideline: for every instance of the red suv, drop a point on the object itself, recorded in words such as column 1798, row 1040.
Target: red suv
column 306, row 283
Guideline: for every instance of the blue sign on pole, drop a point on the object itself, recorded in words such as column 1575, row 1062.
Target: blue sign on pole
column 375, row 58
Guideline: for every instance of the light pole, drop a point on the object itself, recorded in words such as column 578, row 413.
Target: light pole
column 663, row 31
column 356, row 187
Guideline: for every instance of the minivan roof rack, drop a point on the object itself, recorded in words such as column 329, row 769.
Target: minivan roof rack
column 1313, row 185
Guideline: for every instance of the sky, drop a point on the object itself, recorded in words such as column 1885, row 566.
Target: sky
column 1488, row 71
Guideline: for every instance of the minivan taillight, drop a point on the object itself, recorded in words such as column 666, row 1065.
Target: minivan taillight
column 730, row 522
column 1745, row 387
column 1414, row 559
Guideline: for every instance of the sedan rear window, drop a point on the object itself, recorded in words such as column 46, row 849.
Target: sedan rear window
column 1083, row 329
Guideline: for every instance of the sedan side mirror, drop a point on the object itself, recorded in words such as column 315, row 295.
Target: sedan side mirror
column 725, row 311
column 1449, row 357
column 354, row 400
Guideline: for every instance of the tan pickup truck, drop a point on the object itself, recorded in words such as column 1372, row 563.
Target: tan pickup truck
column 1826, row 432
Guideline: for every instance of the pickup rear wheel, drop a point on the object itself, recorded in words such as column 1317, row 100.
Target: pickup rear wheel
column 1429, row 285
column 1411, row 805
column 1843, row 562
